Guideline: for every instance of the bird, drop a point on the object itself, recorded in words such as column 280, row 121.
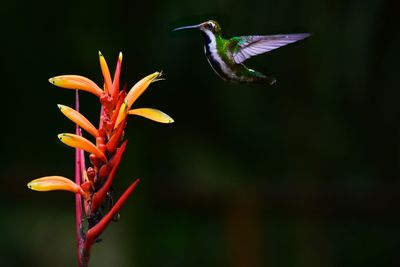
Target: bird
column 226, row 56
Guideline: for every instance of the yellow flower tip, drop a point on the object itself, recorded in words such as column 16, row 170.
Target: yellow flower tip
column 62, row 107
column 120, row 56
column 155, row 76
column 100, row 54
column 158, row 77
column 61, row 136
column 50, row 183
column 152, row 114
column 51, row 80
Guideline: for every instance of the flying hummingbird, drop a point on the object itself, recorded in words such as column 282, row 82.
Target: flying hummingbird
column 226, row 56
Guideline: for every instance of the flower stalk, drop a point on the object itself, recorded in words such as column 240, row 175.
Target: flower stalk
column 92, row 184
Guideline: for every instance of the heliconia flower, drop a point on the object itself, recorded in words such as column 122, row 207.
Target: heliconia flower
column 93, row 185
column 50, row 183
column 76, row 82
column 77, row 141
column 79, row 119
column 152, row 114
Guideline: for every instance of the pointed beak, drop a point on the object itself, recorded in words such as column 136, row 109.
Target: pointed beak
column 187, row 27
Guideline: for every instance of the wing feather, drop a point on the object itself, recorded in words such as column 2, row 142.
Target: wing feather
column 248, row 46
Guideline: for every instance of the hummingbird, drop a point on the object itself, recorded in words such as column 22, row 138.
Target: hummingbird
column 226, row 56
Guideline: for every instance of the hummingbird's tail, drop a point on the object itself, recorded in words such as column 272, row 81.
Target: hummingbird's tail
column 269, row 80
column 261, row 78
column 256, row 77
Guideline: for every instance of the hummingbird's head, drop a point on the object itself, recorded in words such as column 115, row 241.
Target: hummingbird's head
column 208, row 26
column 211, row 26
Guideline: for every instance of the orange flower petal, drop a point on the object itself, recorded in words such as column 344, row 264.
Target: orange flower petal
column 106, row 74
column 152, row 114
column 77, row 141
column 79, row 119
column 123, row 111
column 76, row 82
column 50, row 183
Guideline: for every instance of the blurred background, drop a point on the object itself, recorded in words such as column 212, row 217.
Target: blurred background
column 303, row 173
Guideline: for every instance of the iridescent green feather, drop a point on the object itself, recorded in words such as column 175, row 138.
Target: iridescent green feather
column 223, row 46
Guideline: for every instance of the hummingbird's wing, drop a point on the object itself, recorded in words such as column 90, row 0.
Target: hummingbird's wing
column 244, row 47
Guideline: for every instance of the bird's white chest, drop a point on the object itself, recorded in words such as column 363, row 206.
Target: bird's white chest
column 213, row 57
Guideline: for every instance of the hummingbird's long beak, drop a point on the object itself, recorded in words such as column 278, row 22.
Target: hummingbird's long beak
column 187, row 27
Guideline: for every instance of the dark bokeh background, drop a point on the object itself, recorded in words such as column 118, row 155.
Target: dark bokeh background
column 304, row 173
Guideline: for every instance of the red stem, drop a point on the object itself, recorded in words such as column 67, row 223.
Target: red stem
column 79, row 162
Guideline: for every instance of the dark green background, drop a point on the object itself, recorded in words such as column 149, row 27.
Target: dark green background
column 304, row 173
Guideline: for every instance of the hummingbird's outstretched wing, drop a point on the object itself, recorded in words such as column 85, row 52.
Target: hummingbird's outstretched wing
column 244, row 47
